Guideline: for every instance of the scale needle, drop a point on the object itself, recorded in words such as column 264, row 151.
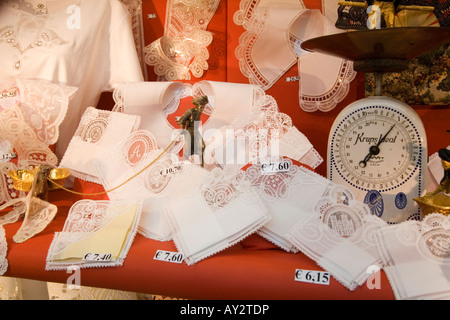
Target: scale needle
column 374, row 150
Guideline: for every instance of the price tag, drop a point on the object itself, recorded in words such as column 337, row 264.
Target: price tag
column 8, row 156
column 317, row 277
column 171, row 170
column 274, row 167
column 99, row 257
column 168, row 256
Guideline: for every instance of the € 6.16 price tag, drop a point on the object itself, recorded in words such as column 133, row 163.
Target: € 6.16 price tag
column 168, row 256
column 318, row 277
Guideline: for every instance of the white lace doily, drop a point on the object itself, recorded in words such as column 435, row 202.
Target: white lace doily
column 270, row 46
column 417, row 257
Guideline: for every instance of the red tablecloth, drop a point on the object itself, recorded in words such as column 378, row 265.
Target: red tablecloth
column 253, row 269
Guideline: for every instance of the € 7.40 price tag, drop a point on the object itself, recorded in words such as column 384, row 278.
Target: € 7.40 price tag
column 168, row 256
column 318, row 277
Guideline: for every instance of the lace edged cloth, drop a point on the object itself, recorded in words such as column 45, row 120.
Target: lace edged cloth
column 261, row 135
column 270, row 46
column 165, row 179
column 416, row 255
column 219, row 214
column 336, row 231
column 95, row 234
column 182, row 50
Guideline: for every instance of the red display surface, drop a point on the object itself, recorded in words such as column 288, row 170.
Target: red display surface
column 253, row 269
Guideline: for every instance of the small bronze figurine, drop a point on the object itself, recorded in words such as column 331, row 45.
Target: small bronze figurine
column 189, row 122
column 438, row 201
column 444, row 185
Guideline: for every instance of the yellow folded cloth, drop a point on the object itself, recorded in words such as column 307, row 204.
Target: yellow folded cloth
column 81, row 242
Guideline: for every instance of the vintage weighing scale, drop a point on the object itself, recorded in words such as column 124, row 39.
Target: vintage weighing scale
column 377, row 146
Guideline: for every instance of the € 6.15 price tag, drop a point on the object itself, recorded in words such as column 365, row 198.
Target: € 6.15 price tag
column 168, row 256
column 318, row 277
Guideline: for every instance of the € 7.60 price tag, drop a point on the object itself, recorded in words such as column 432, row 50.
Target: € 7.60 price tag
column 105, row 257
column 318, row 277
column 168, row 256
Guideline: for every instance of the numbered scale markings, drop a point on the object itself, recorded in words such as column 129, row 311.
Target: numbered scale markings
column 377, row 148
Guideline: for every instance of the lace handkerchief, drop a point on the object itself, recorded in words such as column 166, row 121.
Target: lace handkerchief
column 44, row 104
column 219, row 214
column 98, row 131
column 3, row 251
column 254, row 137
column 95, row 234
column 152, row 176
column 337, row 232
column 417, row 257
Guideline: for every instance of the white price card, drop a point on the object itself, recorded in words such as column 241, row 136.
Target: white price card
column 274, row 167
column 168, row 256
column 99, row 257
column 310, row 276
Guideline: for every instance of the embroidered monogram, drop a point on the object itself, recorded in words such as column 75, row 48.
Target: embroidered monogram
column 94, row 127
column 137, row 146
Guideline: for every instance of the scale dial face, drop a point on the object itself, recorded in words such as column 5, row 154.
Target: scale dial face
column 377, row 148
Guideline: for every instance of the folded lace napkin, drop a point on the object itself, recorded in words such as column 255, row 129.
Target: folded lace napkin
column 417, row 257
column 97, row 131
column 150, row 175
column 215, row 216
column 336, row 232
column 95, row 234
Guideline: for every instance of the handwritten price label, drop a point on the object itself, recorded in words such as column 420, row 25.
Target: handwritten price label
column 98, row 257
column 168, row 256
column 274, row 167
column 317, row 277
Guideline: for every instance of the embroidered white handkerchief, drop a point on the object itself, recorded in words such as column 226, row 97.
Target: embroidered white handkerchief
column 219, row 214
column 98, row 131
column 417, row 257
column 95, row 234
column 146, row 173
column 338, row 234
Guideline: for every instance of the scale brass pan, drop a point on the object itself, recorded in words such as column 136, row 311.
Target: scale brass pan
column 380, row 50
